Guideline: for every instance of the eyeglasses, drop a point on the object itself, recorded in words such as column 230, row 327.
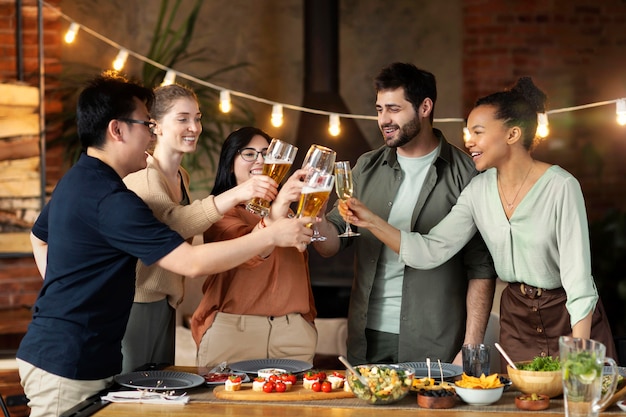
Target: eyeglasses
column 251, row 154
column 149, row 125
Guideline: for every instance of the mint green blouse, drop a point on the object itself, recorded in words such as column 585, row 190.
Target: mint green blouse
column 544, row 244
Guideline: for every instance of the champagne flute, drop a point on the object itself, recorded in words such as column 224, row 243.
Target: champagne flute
column 322, row 159
column 344, row 187
column 276, row 164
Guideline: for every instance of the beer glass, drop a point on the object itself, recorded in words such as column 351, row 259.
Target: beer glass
column 277, row 162
column 582, row 367
column 317, row 188
column 344, row 187
column 476, row 359
column 321, row 159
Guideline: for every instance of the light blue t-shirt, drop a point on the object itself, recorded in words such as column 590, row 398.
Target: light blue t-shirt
column 386, row 295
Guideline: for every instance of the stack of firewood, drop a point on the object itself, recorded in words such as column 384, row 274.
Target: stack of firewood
column 20, row 155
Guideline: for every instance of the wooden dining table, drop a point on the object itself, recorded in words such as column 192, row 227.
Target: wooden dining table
column 215, row 408
column 274, row 410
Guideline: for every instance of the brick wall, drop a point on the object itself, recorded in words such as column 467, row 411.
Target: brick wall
column 575, row 50
column 19, row 279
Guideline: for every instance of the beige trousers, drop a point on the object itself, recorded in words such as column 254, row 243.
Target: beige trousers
column 50, row 395
column 234, row 337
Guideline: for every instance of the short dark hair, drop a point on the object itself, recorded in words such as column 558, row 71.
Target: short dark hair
column 107, row 97
column 225, row 177
column 417, row 83
column 518, row 106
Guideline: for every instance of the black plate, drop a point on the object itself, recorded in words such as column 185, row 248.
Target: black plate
column 159, row 380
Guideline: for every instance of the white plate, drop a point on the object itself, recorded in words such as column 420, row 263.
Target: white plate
column 421, row 369
column 252, row 366
column 244, row 378
column 159, row 380
column 622, row 405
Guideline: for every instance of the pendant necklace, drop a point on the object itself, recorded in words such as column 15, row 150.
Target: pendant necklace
column 512, row 203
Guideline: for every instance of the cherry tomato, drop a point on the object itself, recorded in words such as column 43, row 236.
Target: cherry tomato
column 280, row 386
column 327, row 386
column 269, row 386
column 322, row 376
column 317, row 387
column 274, row 378
column 289, row 378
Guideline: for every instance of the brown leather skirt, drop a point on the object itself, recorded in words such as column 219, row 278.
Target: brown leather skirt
column 532, row 320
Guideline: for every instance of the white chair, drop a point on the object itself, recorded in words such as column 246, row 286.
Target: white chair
column 185, row 347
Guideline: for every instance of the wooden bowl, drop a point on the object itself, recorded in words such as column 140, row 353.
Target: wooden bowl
column 540, row 382
column 436, row 402
column 533, row 402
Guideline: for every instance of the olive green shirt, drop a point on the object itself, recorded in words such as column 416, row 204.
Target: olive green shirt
column 433, row 310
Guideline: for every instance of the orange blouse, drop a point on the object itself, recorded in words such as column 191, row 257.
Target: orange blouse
column 274, row 286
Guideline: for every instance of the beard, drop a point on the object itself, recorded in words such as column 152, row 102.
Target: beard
column 405, row 134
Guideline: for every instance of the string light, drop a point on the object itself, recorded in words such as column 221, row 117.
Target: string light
column 226, row 104
column 277, row 115
column 333, row 125
column 621, row 111
column 170, row 77
column 70, row 35
column 120, row 60
column 542, row 125
column 466, row 134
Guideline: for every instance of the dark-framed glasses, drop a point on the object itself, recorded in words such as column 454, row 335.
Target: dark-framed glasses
column 149, row 125
column 251, row 154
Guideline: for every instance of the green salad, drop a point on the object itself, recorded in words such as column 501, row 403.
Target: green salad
column 385, row 383
column 541, row 363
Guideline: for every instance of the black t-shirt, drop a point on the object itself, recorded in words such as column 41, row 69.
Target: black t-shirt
column 96, row 229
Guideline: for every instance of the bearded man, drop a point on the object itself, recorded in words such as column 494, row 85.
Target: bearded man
column 397, row 313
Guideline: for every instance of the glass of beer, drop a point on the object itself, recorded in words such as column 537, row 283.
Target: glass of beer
column 277, row 162
column 319, row 159
column 316, row 190
column 344, row 188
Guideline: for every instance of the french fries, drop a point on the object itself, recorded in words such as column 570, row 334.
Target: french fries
column 484, row 382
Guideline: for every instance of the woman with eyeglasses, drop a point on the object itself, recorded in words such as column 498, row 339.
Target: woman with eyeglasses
column 264, row 308
column 164, row 186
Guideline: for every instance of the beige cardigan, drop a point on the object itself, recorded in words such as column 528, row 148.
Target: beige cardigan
column 154, row 283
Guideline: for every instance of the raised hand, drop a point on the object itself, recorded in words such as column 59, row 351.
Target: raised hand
column 260, row 186
column 356, row 213
column 292, row 232
column 289, row 193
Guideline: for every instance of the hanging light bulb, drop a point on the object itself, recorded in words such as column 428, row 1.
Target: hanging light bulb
column 225, row 104
column 621, row 111
column 466, row 134
column 277, row 115
column 120, row 60
column 70, row 35
column 333, row 125
column 542, row 125
column 170, row 77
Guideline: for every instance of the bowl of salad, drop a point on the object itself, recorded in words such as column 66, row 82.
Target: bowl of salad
column 542, row 375
column 386, row 384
